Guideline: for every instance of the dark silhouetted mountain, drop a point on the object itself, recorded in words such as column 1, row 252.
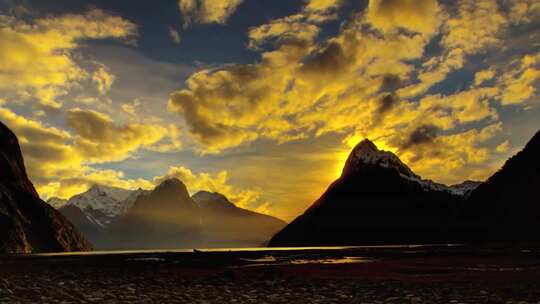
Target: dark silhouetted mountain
column 465, row 188
column 506, row 207
column 166, row 217
column 85, row 223
column 225, row 225
column 27, row 224
column 377, row 200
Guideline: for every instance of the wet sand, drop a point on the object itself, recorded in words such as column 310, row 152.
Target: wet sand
column 354, row 275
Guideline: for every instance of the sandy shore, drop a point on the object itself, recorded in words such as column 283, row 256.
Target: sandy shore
column 338, row 276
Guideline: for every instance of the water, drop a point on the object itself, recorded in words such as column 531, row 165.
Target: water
column 239, row 250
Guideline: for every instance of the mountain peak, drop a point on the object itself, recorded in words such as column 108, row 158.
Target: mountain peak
column 12, row 169
column 367, row 153
column 171, row 182
column 173, row 186
column 56, row 202
column 99, row 188
column 28, row 223
column 205, row 196
column 366, row 145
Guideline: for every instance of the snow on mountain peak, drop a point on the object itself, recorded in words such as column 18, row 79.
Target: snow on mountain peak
column 113, row 192
column 367, row 153
column 56, row 202
column 108, row 200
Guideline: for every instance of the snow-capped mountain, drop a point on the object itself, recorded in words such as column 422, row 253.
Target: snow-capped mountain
column 377, row 200
column 108, row 200
column 367, row 153
column 56, row 202
column 168, row 217
column 95, row 209
column 466, row 188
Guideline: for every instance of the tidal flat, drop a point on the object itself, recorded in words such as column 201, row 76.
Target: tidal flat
column 402, row 274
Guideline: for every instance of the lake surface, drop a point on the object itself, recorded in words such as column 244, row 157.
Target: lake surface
column 254, row 249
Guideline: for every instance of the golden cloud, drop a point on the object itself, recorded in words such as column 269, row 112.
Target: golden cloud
column 482, row 76
column 428, row 151
column 520, row 83
column 207, row 11
column 417, row 16
column 306, row 88
column 36, row 56
column 214, row 182
column 99, row 139
column 523, row 11
column 284, row 29
column 59, row 161
column 476, row 26
column 322, row 5
column 103, row 79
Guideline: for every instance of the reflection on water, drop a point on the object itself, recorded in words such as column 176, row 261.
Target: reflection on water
column 271, row 260
column 146, row 259
column 344, row 260
column 255, row 249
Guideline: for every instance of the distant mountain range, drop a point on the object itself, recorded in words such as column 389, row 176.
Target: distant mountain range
column 225, row 225
column 27, row 224
column 166, row 217
column 379, row 200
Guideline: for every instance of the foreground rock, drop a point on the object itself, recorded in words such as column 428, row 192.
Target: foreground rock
column 27, row 224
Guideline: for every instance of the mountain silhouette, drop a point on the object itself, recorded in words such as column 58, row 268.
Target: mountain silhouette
column 507, row 206
column 165, row 218
column 225, row 225
column 28, row 224
column 376, row 200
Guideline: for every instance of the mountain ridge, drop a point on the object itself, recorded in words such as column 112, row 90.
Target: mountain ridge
column 377, row 200
column 376, row 188
column 29, row 224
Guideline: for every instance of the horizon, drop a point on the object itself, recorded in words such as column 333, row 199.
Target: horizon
column 193, row 193
column 263, row 102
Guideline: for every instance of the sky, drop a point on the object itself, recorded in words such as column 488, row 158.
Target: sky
column 262, row 100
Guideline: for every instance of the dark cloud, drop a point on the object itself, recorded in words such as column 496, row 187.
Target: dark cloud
column 91, row 125
column 423, row 134
column 330, row 60
column 390, row 83
column 387, row 103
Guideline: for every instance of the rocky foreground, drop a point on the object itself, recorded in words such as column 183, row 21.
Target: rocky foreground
column 417, row 276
